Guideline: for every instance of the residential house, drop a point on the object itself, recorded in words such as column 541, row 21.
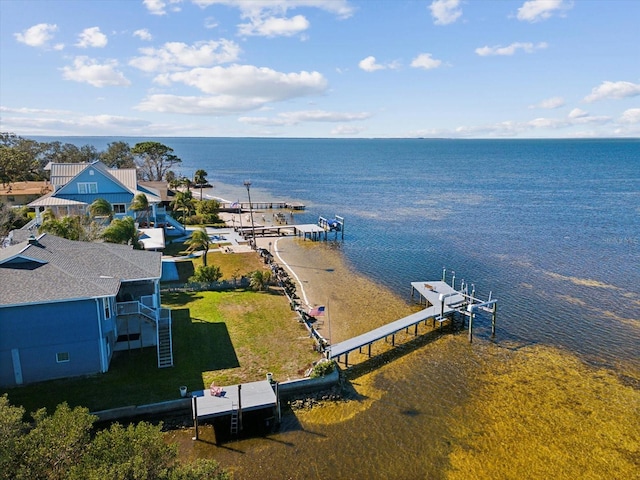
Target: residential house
column 67, row 306
column 21, row 193
column 77, row 185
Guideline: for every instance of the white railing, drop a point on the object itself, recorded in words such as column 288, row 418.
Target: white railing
column 134, row 307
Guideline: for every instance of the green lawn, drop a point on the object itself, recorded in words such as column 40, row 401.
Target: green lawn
column 226, row 337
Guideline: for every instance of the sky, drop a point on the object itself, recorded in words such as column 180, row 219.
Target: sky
column 321, row 68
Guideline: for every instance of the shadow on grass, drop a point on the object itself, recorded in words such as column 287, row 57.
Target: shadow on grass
column 134, row 377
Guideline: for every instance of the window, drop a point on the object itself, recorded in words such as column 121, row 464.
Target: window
column 62, row 357
column 107, row 309
column 87, row 187
column 119, row 208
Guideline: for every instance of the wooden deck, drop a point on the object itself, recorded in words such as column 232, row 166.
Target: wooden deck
column 442, row 300
column 250, row 396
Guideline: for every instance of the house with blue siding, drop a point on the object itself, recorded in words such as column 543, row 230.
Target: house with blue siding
column 77, row 185
column 66, row 307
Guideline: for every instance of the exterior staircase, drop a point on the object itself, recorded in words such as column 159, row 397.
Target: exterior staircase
column 161, row 318
column 165, row 341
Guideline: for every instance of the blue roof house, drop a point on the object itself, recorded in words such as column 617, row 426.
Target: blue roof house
column 67, row 306
column 77, row 185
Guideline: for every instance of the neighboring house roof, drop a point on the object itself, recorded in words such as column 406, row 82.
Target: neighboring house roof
column 25, row 188
column 162, row 188
column 152, row 238
column 53, row 269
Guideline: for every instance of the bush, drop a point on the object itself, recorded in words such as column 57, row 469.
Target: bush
column 323, row 368
column 207, row 274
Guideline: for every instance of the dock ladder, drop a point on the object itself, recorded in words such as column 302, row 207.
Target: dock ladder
column 234, row 419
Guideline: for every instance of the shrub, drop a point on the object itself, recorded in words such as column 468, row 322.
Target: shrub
column 206, row 273
column 323, row 368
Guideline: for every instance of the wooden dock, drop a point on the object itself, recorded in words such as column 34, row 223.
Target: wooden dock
column 442, row 300
column 232, row 401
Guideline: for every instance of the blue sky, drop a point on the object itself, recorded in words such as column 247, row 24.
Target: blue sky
column 321, row 68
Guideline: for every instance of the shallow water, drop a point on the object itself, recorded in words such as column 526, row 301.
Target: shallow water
column 550, row 227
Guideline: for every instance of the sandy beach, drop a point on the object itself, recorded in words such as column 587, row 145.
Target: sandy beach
column 354, row 303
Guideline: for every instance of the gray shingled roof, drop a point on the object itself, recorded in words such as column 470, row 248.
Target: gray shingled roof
column 73, row 270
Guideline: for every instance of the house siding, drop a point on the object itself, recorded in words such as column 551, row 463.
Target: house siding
column 39, row 332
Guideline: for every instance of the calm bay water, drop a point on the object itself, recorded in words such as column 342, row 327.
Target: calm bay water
column 550, row 227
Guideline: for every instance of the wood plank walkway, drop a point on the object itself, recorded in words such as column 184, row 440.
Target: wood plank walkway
column 443, row 300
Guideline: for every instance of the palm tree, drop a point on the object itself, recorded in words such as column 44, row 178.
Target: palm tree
column 101, row 208
column 200, row 179
column 123, row 231
column 67, row 227
column 183, row 201
column 199, row 241
column 141, row 203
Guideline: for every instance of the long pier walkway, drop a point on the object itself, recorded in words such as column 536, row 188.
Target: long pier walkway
column 443, row 301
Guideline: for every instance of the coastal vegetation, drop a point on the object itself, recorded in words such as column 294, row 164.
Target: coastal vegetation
column 64, row 445
column 11, row 218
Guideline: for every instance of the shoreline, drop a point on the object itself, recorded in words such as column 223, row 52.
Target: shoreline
column 354, row 303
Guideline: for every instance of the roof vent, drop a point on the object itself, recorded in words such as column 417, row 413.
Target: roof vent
column 33, row 240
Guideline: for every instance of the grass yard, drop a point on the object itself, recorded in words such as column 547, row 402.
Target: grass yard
column 226, row 337
column 233, row 266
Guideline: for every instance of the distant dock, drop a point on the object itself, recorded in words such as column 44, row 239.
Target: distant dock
column 246, row 206
column 311, row 231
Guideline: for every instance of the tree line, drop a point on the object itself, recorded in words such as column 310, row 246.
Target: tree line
column 23, row 159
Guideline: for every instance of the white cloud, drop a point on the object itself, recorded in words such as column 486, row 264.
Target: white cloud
column 38, row 35
column 274, row 26
column 445, row 12
column 347, row 130
column 253, row 8
column 193, row 105
column 294, row 118
column 29, row 111
column 549, row 103
column 238, row 88
column 268, row 17
column 608, row 90
column 250, row 81
column 631, row 115
column 92, row 37
column 578, row 113
column 210, row 22
column 159, row 7
column 143, row 34
column 527, row 47
column 369, row 64
column 86, row 70
column 177, row 55
column 535, row 10
column 426, row 62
